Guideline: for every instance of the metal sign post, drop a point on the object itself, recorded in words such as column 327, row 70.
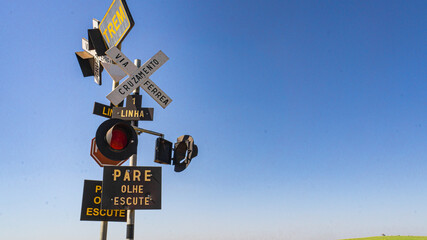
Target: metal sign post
column 104, row 224
column 130, row 223
column 104, row 228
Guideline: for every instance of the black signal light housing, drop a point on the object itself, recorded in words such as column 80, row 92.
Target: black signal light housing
column 116, row 139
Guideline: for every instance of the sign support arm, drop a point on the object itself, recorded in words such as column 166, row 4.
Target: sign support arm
column 141, row 130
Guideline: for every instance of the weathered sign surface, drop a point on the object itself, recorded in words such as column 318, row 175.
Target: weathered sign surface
column 138, row 77
column 132, row 188
column 102, row 110
column 100, row 158
column 116, row 23
column 126, row 113
column 91, row 205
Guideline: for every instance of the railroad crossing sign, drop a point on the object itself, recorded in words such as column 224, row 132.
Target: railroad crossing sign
column 97, row 67
column 131, row 188
column 98, row 63
column 102, row 110
column 93, row 56
column 100, row 158
column 91, row 205
column 133, row 110
column 115, row 72
column 116, row 23
column 138, row 77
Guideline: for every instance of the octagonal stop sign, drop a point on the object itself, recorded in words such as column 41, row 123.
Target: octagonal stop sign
column 101, row 159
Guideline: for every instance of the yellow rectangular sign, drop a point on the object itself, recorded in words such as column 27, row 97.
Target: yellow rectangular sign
column 116, row 23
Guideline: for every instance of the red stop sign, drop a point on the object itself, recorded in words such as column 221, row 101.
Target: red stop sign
column 101, row 159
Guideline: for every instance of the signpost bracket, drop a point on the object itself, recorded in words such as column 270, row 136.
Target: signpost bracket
column 141, row 130
column 96, row 41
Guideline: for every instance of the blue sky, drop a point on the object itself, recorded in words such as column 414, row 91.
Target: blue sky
column 310, row 117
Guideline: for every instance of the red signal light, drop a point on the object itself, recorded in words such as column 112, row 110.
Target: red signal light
column 117, row 138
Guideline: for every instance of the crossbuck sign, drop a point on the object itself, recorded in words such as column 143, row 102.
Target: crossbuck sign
column 138, row 77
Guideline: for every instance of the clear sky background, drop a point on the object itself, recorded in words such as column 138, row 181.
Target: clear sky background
column 310, row 117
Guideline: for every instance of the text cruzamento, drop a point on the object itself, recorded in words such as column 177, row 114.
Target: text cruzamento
column 140, row 78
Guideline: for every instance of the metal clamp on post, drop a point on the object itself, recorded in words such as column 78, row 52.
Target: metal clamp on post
column 141, row 130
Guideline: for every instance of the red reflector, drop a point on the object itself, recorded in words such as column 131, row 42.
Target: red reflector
column 119, row 139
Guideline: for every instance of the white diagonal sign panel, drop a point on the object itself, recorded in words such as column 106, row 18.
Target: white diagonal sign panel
column 121, row 60
column 138, row 77
column 113, row 70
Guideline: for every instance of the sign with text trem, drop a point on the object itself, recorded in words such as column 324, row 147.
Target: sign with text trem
column 116, row 23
